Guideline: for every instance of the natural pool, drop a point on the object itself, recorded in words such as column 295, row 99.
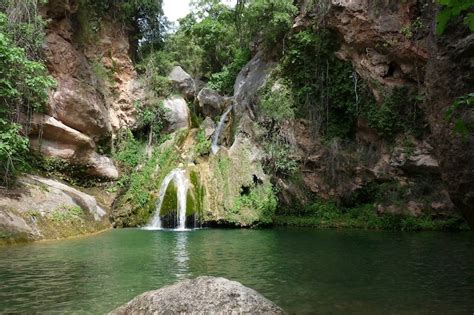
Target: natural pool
column 303, row 271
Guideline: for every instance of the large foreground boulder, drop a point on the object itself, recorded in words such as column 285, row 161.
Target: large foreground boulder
column 204, row 295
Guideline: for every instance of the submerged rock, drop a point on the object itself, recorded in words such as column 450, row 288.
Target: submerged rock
column 203, row 295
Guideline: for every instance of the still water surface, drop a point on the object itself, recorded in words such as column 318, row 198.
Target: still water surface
column 304, row 271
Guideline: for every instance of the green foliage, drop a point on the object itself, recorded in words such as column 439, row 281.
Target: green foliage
column 277, row 158
column 224, row 80
column 66, row 213
column 451, row 9
column 217, row 37
column 199, row 192
column 24, row 25
column 261, row 200
column 203, row 145
column 206, row 42
column 24, row 86
column 152, row 115
column 145, row 15
column 277, row 102
column 183, row 49
column 456, row 112
column 326, row 90
column 326, row 214
column 142, row 175
column 270, row 19
column 13, row 149
column 23, row 83
column 398, row 113
column 410, row 29
column 74, row 174
column 128, row 151
column 154, row 69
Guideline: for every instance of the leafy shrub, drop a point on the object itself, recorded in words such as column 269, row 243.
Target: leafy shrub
column 24, row 25
column 326, row 90
column 261, row 200
column 224, row 80
column 450, row 10
column 277, row 158
column 128, row 151
column 203, row 145
column 67, row 213
column 270, row 19
column 456, row 112
column 277, row 102
column 24, row 86
column 13, row 149
column 398, row 113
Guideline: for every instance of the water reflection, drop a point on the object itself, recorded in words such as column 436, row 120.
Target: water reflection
column 181, row 255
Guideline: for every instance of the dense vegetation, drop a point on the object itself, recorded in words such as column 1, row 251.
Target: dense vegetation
column 24, row 82
column 213, row 43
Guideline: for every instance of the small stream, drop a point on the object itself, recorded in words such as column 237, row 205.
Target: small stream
column 303, row 271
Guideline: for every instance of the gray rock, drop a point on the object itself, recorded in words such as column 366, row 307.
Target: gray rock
column 37, row 208
column 52, row 138
column 209, row 127
column 204, row 295
column 178, row 115
column 182, row 81
column 211, row 103
column 250, row 79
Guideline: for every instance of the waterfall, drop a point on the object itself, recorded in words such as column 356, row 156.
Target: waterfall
column 217, row 133
column 178, row 176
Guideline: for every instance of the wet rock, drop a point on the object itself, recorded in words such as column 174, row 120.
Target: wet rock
column 182, row 81
column 204, row 295
column 211, row 103
column 178, row 115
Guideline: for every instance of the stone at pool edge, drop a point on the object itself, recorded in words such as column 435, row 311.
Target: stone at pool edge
column 202, row 295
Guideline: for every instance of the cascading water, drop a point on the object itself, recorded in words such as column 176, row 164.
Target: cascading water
column 178, row 176
column 217, row 133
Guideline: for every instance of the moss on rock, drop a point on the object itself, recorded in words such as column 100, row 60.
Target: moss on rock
column 170, row 200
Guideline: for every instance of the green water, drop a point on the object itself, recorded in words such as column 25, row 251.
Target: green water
column 304, row 271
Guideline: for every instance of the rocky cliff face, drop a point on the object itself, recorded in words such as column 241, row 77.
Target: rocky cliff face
column 392, row 44
column 96, row 89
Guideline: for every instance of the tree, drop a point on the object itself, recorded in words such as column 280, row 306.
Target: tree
column 269, row 19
